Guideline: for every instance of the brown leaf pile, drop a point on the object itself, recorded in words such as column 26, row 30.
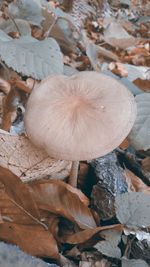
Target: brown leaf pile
column 39, row 211
column 30, row 212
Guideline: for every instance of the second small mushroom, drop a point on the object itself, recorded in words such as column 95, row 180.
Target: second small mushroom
column 81, row 117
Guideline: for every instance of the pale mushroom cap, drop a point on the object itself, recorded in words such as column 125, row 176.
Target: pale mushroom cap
column 80, row 117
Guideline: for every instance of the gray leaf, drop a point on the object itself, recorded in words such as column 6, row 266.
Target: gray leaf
column 4, row 37
column 133, row 209
column 133, row 263
column 27, row 10
column 109, row 246
column 23, row 26
column 139, row 136
column 31, row 57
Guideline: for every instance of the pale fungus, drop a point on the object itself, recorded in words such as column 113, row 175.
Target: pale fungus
column 80, row 117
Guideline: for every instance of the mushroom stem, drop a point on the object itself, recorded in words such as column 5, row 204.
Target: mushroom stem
column 74, row 173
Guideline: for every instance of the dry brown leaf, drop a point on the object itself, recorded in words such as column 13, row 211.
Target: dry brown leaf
column 85, row 235
column 143, row 84
column 21, row 85
column 28, row 162
column 16, row 193
column 56, row 196
column 33, row 239
column 134, row 183
column 74, row 190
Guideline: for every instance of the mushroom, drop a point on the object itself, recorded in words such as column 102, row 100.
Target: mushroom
column 80, row 117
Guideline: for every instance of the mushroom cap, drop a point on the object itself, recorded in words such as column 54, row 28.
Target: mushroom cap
column 80, row 117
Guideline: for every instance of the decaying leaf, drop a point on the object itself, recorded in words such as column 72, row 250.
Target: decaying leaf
column 133, row 209
column 57, row 197
column 26, row 161
column 31, row 57
column 139, row 136
column 109, row 246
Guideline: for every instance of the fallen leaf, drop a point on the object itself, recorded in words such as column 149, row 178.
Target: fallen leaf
column 10, row 104
column 27, row 10
column 133, row 263
column 116, row 36
column 118, row 68
column 135, row 184
column 32, row 239
column 4, row 86
column 135, row 72
column 99, row 54
column 124, row 144
column 139, row 135
column 133, row 209
column 109, row 246
column 22, row 25
column 85, row 235
column 143, row 84
column 56, row 197
column 18, row 192
column 32, row 57
column 28, row 162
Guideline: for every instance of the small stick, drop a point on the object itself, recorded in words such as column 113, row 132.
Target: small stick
column 74, row 173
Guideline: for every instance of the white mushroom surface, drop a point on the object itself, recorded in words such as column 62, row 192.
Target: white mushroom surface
column 80, row 117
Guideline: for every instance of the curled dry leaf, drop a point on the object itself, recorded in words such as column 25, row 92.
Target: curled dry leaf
column 33, row 239
column 85, row 235
column 57, row 197
column 26, row 161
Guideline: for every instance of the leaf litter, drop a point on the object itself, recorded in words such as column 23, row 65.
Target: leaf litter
column 39, row 211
